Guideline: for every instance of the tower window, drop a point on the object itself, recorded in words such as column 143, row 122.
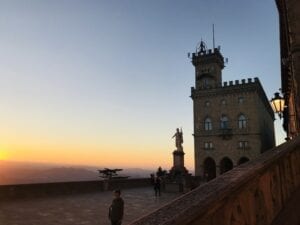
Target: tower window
column 208, row 145
column 205, row 82
column 223, row 102
column 241, row 100
column 207, row 124
column 242, row 122
column 224, row 122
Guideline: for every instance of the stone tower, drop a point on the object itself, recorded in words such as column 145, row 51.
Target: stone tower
column 233, row 121
column 208, row 67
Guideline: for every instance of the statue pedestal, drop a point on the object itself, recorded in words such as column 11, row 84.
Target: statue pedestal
column 178, row 162
column 178, row 178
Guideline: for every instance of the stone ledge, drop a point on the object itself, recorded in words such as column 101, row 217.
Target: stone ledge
column 18, row 191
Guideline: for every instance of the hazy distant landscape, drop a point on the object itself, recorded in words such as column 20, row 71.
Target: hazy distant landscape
column 23, row 173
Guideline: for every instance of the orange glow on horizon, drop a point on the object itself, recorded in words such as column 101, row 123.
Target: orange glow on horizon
column 109, row 156
column 142, row 153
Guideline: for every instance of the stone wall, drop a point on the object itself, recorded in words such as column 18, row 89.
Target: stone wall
column 232, row 100
column 8, row 192
column 289, row 19
column 254, row 193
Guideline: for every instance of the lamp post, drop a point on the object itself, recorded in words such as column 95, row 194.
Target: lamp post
column 277, row 104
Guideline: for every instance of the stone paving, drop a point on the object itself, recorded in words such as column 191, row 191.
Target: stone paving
column 84, row 209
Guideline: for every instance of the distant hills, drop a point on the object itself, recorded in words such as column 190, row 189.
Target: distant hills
column 23, row 173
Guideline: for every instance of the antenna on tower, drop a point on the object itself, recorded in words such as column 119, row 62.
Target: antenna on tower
column 213, row 30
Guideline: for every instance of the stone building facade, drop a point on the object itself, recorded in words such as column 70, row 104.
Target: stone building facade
column 289, row 19
column 233, row 121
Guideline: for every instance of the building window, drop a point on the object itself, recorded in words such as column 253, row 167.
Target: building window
column 242, row 122
column 207, row 103
column 208, row 145
column 207, row 124
column 243, row 144
column 205, row 82
column 241, row 100
column 224, row 122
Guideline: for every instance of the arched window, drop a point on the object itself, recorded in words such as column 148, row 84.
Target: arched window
column 207, row 124
column 242, row 122
column 224, row 122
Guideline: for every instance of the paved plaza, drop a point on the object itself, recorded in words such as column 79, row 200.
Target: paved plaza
column 84, row 209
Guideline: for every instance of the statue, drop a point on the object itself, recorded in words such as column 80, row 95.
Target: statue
column 201, row 47
column 178, row 139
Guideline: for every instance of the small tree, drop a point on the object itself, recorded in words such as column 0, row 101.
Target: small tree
column 108, row 174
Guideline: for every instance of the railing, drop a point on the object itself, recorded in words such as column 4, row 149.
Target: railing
column 254, row 193
column 16, row 191
column 231, row 129
column 221, row 132
column 225, row 133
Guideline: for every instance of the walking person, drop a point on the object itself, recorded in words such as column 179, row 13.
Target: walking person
column 116, row 210
column 157, row 183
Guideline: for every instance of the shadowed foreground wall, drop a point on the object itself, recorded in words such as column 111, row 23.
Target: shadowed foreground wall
column 255, row 193
column 8, row 192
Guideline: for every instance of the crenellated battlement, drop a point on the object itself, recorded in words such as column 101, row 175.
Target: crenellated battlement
column 207, row 56
column 203, row 56
column 234, row 87
column 240, row 82
column 208, row 52
column 232, row 84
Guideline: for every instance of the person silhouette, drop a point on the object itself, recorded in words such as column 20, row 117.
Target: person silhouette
column 116, row 209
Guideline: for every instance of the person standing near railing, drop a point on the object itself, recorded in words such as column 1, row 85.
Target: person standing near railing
column 116, row 210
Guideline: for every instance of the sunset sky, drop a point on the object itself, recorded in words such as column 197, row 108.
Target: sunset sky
column 106, row 83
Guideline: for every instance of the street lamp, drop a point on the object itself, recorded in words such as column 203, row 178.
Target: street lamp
column 277, row 104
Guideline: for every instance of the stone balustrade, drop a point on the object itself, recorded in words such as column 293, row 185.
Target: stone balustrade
column 255, row 193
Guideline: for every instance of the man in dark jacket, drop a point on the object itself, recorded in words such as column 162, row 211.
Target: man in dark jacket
column 116, row 210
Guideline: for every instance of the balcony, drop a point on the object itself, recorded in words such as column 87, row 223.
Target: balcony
column 225, row 133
